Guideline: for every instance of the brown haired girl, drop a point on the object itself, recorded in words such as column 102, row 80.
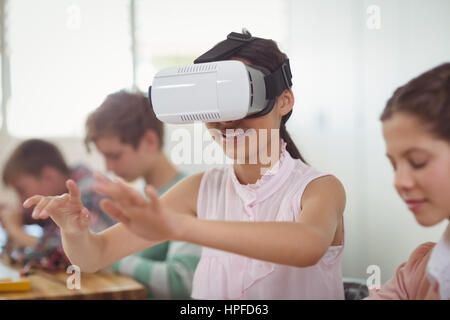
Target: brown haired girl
column 416, row 128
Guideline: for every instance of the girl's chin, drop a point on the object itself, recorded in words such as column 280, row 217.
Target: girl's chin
column 242, row 159
column 429, row 218
column 240, row 148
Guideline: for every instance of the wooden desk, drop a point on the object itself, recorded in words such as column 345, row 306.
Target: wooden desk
column 101, row 285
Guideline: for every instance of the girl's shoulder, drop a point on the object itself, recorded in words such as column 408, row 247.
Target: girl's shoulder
column 305, row 172
column 324, row 183
column 418, row 259
column 315, row 182
column 422, row 251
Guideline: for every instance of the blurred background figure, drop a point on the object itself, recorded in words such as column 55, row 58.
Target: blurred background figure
column 38, row 167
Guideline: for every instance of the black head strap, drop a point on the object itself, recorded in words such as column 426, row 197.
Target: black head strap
column 225, row 49
column 278, row 81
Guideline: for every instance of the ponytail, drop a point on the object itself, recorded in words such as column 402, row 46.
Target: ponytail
column 290, row 145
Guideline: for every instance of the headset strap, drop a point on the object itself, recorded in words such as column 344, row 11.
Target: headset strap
column 225, row 49
column 276, row 82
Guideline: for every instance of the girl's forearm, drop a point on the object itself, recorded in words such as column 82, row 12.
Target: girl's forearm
column 288, row 243
column 94, row 251
column 83, row 250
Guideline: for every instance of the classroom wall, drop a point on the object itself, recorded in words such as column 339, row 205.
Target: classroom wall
column 343, row 73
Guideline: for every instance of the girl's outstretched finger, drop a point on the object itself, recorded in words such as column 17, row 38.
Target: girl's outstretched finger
column 50, row 207
column 111, row 209
column 108, row 188
column 73, row 189
column 32, row 201
column 39, row 207
column 101, row 178
column 131, row 194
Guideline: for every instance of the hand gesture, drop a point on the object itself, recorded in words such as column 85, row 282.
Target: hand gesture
column 146, row 218
column 66, row 210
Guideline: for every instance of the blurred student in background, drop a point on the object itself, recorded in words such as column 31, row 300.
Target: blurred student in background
column 416, row 128
column 38, row 167
column 127, row 133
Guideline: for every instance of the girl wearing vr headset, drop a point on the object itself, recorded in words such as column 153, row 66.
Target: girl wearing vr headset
column 416, row 128
column 277, row 235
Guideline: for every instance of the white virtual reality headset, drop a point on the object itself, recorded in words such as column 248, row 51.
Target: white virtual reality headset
column 215, row 89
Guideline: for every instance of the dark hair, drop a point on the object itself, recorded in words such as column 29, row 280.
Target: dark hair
column 126, row 115
column 426, row 97
column 30, row 157
column 265, row 53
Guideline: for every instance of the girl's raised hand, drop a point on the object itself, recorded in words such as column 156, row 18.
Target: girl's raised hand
column 145, row 217
column 66, row 210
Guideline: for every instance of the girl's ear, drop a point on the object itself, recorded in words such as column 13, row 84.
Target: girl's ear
column 285, row 102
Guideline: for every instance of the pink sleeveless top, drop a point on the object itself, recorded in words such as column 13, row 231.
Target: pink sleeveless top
column 274, row 197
